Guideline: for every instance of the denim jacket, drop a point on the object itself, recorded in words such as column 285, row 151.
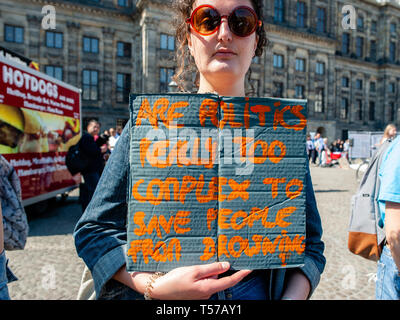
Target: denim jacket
column 101, row 237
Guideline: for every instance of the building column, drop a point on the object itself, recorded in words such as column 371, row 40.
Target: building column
column 73, row 44
column 108, row 72
column 32, row 38
column 150, row 82
column 290, row 71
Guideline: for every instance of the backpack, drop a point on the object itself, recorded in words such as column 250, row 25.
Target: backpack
column 75, row 160
column 366, row 235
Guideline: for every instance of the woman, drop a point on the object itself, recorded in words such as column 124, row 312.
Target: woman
column 389, row 133
column 222, row 53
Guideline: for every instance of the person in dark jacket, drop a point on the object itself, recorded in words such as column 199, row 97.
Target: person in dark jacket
column 93, row 171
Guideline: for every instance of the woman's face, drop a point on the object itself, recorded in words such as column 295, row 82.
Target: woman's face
column 222, row 55
column 392, row 132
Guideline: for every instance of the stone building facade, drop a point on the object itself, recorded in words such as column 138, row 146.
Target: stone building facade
column 108, row 48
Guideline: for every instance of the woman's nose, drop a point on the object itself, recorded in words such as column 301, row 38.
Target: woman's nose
column 224, row 32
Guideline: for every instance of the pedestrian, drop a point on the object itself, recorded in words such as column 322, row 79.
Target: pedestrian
column 388, row 275
column 113, row 139
column 310, row 148
column 118, row 131
column 346, row 148
column 314, row 151
column 324, row 153
column 319, row 147
column 91, row 149
column 13, row 222
column 333, row 147
column 390, row 132
column 341, row 146
column 222, row 54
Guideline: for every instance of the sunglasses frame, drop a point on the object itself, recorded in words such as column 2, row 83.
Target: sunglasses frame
column 257, row 24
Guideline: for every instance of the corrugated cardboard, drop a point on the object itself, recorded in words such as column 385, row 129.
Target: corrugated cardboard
column 243, row 202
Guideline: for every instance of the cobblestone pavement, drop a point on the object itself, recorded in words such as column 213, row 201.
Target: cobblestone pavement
column 49, row 268
column 346, row 275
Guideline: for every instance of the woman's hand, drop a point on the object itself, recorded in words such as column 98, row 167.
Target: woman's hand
column 187, row 283
column 195, row 282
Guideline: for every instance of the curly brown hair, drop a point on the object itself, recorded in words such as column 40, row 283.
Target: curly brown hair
column 186, row 66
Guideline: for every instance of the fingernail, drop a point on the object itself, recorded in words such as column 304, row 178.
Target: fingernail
column 225, row 265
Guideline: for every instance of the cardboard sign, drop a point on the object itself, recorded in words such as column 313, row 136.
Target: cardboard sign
column 216, row 179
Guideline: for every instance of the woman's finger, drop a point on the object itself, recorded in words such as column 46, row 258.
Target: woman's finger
column 216, row 285
column 212, row 269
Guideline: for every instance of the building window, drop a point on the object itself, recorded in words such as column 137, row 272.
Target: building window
column 359, row 110
column 392, row 87
column 359, row 84
column 344, row 108
column 360, row 23
column 301, row 14
column 123, row 87
column 321, row 20
column 54, row 71
column 371, row 111
column 90, row 45
column 124, row 49
column 372, row 51
column 392, row 51
column 345, row 82
column 345, row 43
column 393, row 28
column 320, row 68
column 165, row 78
column 278, row 90
column 90, row 84
column 319, row 101
column 54, row 39
column 372, row 87
column 122, row 3
column 279, row 10
column 167, row 42
column 391, row 111
column 13, row 34
column 299, row 91
column 373, row 26
column 359, row 47
column 300, row 65
column 278, row 61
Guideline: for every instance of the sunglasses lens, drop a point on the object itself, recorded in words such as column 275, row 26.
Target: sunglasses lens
column 242, row 22
column 206, row 20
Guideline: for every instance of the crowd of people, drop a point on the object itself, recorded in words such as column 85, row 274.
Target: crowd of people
column 319, row 148
column 328, row 153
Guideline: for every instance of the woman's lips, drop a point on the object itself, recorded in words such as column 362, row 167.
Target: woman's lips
column 224, row 53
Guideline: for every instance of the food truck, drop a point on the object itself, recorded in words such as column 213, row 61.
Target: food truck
column 40, row 119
